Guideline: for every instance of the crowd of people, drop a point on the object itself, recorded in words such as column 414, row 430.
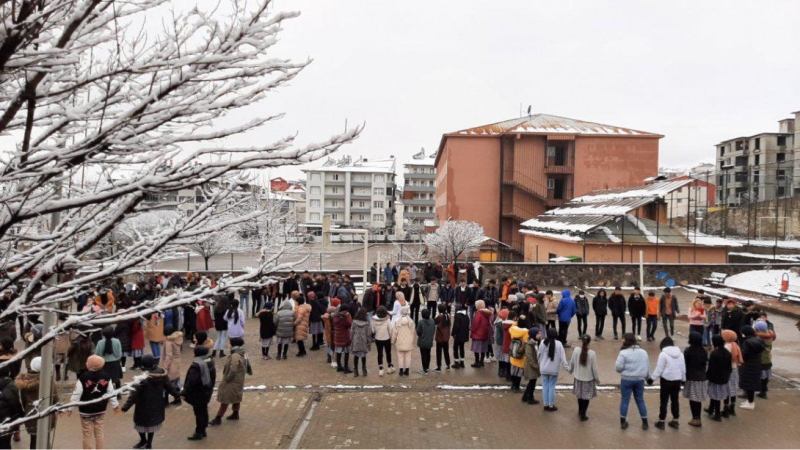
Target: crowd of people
column 405, row 311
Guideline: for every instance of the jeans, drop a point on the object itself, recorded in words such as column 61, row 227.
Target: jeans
column 244, row 302
column 549, row 389
column 636, row 324
column 563, row 329
column 384, row 346
column 635, row 387
column 222, row 339
column 621, row 319
column 425, row 354
column 442, row 349
column 669, row 394
column 707, row 336
column 599, row 324
column 671, row 319
column 583, row 324
column 155, row 348
column 652, row 326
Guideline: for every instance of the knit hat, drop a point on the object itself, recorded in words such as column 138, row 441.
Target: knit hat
column 503, row 314
column 730, row 300
column 335, row 302
column 200, row 350
column 269, row 305
column 36, row 364
column 748, row 331
column 761, row 326
column 95, row 363
column 312, row 296
column 149, row 362
column 729, row 335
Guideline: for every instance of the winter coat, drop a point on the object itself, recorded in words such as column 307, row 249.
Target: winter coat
column 231, row 389
column 193, row 390
column 381, row 328
column 531, row 360
column 360, row 336
column 732, row 320
column 588, row 372
column 301, row 322
column 318, row 307
column 403, row 334
column 442, row 322
column 479, row 331
column 148, row 397
column 637, row 306
column 633, row 363
column 566, row 307
column 285, row 321
column 342, row 321
column 750, row 371
column 582, row 305
column 515, row 332
column 538, row 314
column 552, row 309
column 28, row 386
column 171, row 357
column 235, row 326
column 719, row 366
column 498, row 333
column 154, row 329
column 663, row 305
column 616, row 304
column 204, row 322
column 670, row 366
column 122, row 331
column 327, row 323
column 549, row 366
column 696, row 363
column 461, row 329
column 266, row 328
column 766, row 356
column 426, row 330
column 116, row 350
column 109, row 306
column 697, row 316
column 505, row 336
column 600, row 305
column 10, row 400
column 372, row 300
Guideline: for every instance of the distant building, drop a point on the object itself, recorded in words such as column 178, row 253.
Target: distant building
column 293, row 190
column 502, row 174
column 419, row 194
column 615, row 225
column 761, row 167
column 693, row 198
column 358, row 194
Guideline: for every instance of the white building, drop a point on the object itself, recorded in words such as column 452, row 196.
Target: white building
column 355, row 194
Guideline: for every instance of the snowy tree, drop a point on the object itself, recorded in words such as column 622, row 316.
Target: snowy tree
column 455, row 238
column 85, row 90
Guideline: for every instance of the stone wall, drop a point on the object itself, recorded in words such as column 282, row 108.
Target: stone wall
column 587, row 274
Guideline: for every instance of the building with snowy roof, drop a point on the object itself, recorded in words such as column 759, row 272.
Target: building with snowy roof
column 614, row 225
column 502, row 174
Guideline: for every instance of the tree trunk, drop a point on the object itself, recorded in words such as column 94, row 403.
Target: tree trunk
column 206, row 258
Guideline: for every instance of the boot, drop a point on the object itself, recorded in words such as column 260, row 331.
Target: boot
column 222, row 354
column 732, row 409
column 696, row 423
column 195, row 437
column 214, row 354
column 674, row 424
column 329, row 359
column 660, row 425
column 234, row 416
column 364, row 366
column 623, row 423
column 339, row 367
column 764, row 389
column 645, row 425
column 355, row 368
column 717, row 416
column 217, row 421
column 347, row 363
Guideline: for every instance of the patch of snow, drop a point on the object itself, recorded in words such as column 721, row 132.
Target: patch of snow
column 787, row 258
column 590, row 210
column 554, row 225
column 767, row 282
column 723, row 292
column 711, row 241
column 641, row 226
column 557, row 236
column 610, row 235
column 793, row 244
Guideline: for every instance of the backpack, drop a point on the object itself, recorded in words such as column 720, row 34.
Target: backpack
column 517, row 350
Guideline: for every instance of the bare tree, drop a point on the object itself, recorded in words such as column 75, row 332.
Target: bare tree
column 455, row 238
column 84, row 91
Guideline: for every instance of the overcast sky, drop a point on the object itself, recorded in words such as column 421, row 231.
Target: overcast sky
column 697, row 72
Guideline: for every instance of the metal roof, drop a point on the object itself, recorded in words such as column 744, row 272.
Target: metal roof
column 647, row 191
column 566, row 224
column 611, row 208
column 549, row 124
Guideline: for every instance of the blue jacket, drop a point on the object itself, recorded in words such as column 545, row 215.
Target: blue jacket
column 566, row 307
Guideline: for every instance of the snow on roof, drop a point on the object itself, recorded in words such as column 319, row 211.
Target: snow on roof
column 371, row 166
column 572, row 224
column 611, row 208
column 556, row 236
column 549, row 124
column 654, row 190
column 711, row 241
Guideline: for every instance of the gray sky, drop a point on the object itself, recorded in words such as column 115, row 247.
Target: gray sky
column 697, row 72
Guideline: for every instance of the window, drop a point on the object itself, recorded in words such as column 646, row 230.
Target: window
column 780, row 157
column 758, row 160
column 551, row 183
column 781, row 174
column 756, row 176
column 377, row 191
column 680, row 200
column 757, row 143
column 315, row 203
column 377, row 204
column 315, row 190
column 316, row 176
column 781, row 141
column 781, row 191
column 336, row 177
column 377, row 218
column 334, row 190
column 380, row 178
column 315, row 217
column 334, row 217
column 334, row 204
column 722, row 150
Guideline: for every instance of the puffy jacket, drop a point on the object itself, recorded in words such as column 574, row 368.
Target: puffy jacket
column 231, row 389
column 531, row 359
column 505, row 336
column 600, row 305
column 267, row 328
column 461, row 330
column 719, row 366
column 171, row 358
column 697, row 316
column 148, row 397
column 768, row 337
column 301, row 322
column 480, row 325
column 10, row 404
column 750, row 371
column 122, row 331
column 442, row 322
column 382, row 328
column 566, row 307
column 732, row 320
column 552, row 309
column 670, row 366
column 360, row 335
column 616, row 304
column 633, row 363
column 285, row 321
column 582, row 305
column 194, row 391
column 426, row 329
column 341, row 328
column 403, row 334
column 637, row 306
column 515, row 332
column 696, row 358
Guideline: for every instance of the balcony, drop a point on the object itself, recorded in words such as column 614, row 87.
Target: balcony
column 419, row 202
column 559, row 169
column 360, row 209
column 334, row 182
column 360, row 182
column 334, row 209
column 419, row 176
column 419, row 215
column 336, row 195
column 410, row 188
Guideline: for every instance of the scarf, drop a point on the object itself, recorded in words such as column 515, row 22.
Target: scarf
column 204, row 374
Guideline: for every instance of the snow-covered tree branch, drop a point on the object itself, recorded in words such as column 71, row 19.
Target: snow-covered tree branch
column 105, row 120
column 455, row 238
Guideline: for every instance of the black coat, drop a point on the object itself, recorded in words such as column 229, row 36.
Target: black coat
column 732, row 320
column 290, row 285
column 10, row 405
column 616, row 304
column 719, row 366
column 750, row 371
column 600, row 305
column 123, row 333
column 193, row 390
column 318, row 307
column 149, row 399
column 369, row 300
column 696, row 361
column 637, row 306
column 460, row 327
column 267, row 327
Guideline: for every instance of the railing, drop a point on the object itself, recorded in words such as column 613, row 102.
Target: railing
column 525, row 183
column 559, row 169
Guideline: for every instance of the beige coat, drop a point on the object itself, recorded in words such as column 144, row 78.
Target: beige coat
column 302, row 316
column 154, row 329
column 403, row 334
column 171, row 357
column 231, row 390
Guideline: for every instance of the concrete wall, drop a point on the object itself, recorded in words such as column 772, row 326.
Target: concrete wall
column 612, row 162
column 586, row 274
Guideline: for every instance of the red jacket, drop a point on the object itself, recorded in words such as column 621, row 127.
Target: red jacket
column 480, row 326
column 341, row 328
column 507, row 336
column 137, row 335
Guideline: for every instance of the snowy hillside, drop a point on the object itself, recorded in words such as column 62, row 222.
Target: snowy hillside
column 762, row 281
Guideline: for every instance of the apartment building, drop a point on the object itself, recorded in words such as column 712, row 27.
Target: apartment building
column 761, row 167
column 293, row 190
column 503, row 174
column 419, row 195
column 356, row 194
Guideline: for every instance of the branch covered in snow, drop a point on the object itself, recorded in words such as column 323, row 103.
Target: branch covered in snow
column 455, row 238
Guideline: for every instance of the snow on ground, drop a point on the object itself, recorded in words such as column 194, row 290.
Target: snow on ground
column 787, row 258
column 767, row 282
column 721, row 292
column 769, row 243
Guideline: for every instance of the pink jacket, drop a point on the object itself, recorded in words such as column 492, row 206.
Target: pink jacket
column 697, row 316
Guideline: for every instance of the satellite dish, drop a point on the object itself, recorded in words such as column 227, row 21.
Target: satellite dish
column 529, row 110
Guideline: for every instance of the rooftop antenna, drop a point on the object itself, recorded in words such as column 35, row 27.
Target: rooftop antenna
column 529, row 110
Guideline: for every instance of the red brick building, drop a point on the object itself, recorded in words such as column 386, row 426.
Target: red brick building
column 503, row 174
